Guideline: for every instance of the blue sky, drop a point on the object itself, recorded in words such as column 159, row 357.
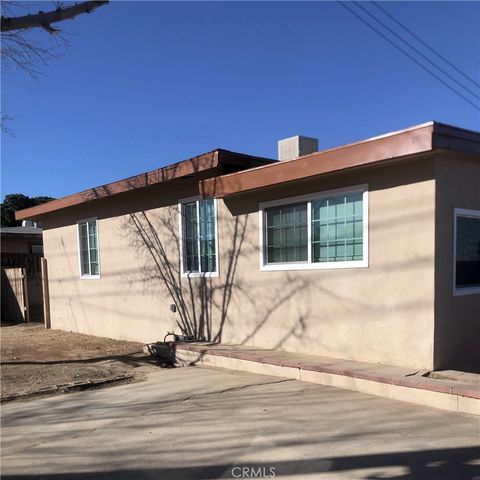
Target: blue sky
column 145, row 84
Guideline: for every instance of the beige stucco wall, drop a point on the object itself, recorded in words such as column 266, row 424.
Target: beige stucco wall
column 457, row 318
column 383, row 313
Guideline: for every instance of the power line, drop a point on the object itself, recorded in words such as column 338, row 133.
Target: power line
column 425, row 44
column 416, row 50
column 408, row 55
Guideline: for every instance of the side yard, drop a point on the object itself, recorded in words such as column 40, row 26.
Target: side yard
column 37, row 361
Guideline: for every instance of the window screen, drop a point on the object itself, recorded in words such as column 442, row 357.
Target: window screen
column 190, row 230
column 208, row 261
column 286, row 234
column 337, row 228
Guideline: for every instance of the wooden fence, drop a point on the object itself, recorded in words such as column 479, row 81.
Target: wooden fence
column 24, row 288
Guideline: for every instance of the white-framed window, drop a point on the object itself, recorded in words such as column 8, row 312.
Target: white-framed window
column 466, row 252
column 317, row 231
column 88, row 248
column 198, row 237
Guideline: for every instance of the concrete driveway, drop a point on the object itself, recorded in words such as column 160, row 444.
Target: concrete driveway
column 200, row 423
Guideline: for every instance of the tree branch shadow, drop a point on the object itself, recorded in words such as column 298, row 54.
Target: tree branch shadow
column 204, row 304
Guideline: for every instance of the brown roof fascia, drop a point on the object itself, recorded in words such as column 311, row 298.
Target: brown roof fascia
column 448, row 138
column 181, row 169
column 404, row 143
column 354, row 155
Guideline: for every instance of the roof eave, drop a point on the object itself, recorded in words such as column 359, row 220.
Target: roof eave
column 369, row 152
column 185, row 168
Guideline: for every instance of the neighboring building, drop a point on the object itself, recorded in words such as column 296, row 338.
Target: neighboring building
column 21, row 279
column 368, row 252
column 26, row 239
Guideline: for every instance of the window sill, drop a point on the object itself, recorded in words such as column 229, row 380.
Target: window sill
column 200, row 275
column 89, row 277
column 460, row 292
column 313, row 266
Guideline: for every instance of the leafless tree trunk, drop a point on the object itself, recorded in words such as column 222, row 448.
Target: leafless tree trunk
column 22, row 52
column 45, row 19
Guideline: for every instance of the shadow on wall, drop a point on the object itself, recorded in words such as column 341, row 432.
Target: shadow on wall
column 204, row 304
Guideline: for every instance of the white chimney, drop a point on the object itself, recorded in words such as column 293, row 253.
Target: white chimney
column 297, row 146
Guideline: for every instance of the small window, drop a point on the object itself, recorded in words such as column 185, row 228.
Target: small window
column 323, row 230
column 88, row 246
column 467, row 252
column 199, row 237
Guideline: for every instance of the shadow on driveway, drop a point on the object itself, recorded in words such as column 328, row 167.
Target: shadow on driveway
column 441, row 464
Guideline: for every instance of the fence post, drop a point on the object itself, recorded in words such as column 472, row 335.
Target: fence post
column 46, row 294
column 26, row 299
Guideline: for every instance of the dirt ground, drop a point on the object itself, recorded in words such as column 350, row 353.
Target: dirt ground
column 37, row 361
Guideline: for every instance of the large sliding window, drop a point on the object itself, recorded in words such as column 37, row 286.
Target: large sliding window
column 323, row 230
column 466, row 251
column 88, row 248
column 198, row 237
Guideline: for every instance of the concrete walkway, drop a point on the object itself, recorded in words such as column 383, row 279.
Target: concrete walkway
column 452, row 391
column 200, row 423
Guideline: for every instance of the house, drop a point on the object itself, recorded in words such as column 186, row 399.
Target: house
column 24, row 239
column 21, row 278
column 368, row 252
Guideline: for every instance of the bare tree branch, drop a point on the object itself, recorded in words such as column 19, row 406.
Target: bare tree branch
column 25, row 54
column 9, row 7
column 3, row 124
column 45, row 19
column 21, row 50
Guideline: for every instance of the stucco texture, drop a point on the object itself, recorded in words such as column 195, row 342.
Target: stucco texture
column 383, row 313
column 457, row 318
